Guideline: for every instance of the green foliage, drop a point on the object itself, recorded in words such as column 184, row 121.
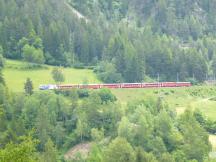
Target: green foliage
column 50, row 153
column 108, row 73
column 106, row 96
column 42, row 127
column 28, row 86
column 83, row 93
column 58, row 75
column 95, row 154
column 97, row 135
column 126, row 129
column 25, row 150
column 2, row 61
column 206, row 123
column 2, row 81
column 119, row 150
column 141, row 156
column 194, row 147
column 144, row 130
column 168, row 38
column 33, row 55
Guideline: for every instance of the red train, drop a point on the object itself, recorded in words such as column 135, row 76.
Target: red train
column 124, row 85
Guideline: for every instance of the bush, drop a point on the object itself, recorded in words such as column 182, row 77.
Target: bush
column 107, row 73
column 107, row 96
column 32, row 54
column 193, row 81
column 58, row 75
column 2, row 62
column 82, row 93
column 207, row 124
column 79, row 65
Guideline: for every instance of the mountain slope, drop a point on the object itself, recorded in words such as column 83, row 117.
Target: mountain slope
column 128, row 40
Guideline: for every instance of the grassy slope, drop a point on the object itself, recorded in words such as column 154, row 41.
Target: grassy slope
column 179, row 98
column 15, row 75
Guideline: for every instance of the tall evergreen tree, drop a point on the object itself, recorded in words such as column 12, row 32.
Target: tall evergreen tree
column 28, row 86
column 50, row 153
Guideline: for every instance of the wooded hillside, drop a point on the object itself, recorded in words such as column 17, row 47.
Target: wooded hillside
column 127, row 40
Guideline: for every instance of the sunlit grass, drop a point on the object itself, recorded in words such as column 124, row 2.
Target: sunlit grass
column 15, row 75
column 177, row 98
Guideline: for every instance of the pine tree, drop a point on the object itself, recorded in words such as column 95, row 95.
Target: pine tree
column 2, row 81
column 28, row 87
column 1, row 58
column 50, row 154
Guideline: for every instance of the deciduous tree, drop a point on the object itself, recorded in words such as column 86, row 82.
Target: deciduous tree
column 119, row 150
column 58, row 75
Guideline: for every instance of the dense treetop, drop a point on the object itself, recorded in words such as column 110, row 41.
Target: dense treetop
column 171, row 38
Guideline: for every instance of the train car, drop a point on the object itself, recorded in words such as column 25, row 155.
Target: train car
column 115, row 86
column 183, row 84
column 169, row 84
column 48, row 87
column 131, row 85
column 93, row 86
column 67, row 86
column 151, row 85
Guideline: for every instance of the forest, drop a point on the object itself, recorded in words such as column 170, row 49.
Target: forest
column 114, row 37
column 121, row 41
column 42, row 126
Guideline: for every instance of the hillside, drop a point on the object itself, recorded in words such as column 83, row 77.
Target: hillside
column 109, row 41
column 197, row 97
column 127, row 36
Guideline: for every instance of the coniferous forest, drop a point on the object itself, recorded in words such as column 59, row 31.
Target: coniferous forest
column 122, row 41
column 116, row 36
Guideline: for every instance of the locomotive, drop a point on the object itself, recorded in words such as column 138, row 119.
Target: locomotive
column 115, row 85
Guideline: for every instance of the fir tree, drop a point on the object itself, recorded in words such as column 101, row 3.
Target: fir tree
column 28, row 87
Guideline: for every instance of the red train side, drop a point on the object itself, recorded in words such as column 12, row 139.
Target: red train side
column 125, row 85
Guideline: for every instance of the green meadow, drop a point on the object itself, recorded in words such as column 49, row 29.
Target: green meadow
column 16, row 72
column 197, row 97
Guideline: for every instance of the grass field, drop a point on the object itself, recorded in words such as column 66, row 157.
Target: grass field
column 212, row 139
column 16, row 72
column 178, row 98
